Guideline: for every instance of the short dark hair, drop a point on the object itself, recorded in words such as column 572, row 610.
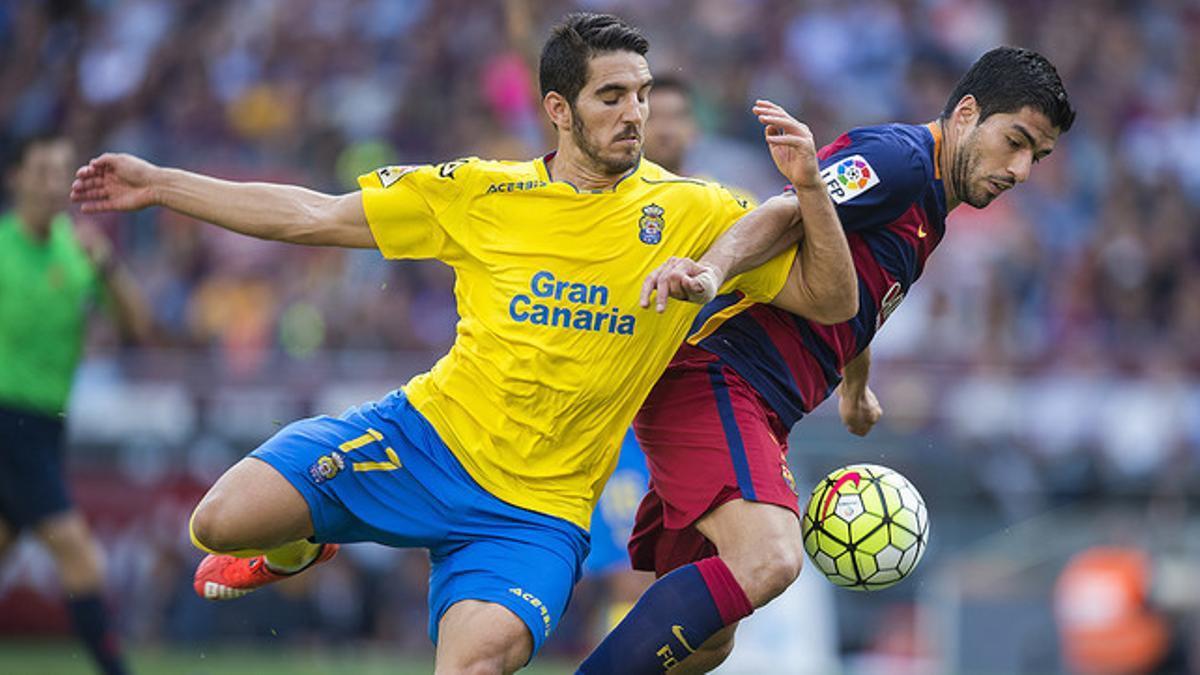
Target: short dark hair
column 580, row 36
column 1006, row 79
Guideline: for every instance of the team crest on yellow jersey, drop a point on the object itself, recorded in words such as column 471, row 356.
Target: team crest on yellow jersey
column 650, row 225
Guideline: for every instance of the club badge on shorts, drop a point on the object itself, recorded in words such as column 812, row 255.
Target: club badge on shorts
column 787, row 474
column 327, row 467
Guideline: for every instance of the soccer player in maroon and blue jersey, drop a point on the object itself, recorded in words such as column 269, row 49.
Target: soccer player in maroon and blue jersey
column 715, row 427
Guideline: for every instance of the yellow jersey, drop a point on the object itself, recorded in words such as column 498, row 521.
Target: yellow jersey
column 553, row 356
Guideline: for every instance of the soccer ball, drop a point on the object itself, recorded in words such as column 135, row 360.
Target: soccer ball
column 865, row 527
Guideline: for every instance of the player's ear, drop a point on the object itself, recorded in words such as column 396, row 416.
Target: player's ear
column 966, row 111
column 557, row 109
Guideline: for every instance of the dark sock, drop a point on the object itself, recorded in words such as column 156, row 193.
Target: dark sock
column 671, row 620
column 90, row 619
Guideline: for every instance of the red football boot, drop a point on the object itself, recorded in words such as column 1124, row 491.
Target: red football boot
column 225, row 577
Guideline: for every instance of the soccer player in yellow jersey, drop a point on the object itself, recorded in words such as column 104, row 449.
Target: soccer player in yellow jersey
column 492, row 460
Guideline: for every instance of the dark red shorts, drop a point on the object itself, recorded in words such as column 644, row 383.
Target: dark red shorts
column 709, row 438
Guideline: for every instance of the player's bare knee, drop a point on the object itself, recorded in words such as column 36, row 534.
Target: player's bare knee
column 517, row 656
column 786, row 558
column 251, row 507
column 481, row 638
column 210, row 526
column 770, row 570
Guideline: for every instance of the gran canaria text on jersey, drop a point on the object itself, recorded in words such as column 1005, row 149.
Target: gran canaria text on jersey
column 567, row 312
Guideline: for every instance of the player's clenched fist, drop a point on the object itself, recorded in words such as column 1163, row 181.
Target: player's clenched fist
column 682, row 279
column 791, row 144
column 860, row 413
column 114, row 182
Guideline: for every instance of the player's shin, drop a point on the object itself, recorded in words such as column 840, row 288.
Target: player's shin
column 672, row 619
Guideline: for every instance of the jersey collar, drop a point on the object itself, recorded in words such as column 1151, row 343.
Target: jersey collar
column 544, row 174
column 936, row 130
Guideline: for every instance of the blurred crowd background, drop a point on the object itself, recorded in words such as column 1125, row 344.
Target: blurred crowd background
column 1041, row 387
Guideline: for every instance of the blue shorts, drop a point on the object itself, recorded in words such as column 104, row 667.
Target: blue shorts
column 32, row 484
column 612, row 521
column 381, row 473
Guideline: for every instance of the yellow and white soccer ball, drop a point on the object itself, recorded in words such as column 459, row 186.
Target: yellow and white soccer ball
column 865, row 527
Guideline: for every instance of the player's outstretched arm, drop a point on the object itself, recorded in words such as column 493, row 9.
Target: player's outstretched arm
column 779, row 222
column 859, row 408
column 823, row 285
column 119, row 182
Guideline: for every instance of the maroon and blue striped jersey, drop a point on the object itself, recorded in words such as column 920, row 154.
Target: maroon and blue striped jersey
column 887, row 189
